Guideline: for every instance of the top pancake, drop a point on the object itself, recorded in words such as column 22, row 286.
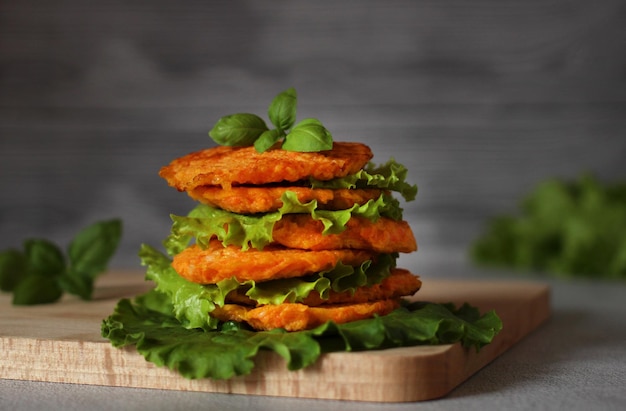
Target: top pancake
column 227, row 166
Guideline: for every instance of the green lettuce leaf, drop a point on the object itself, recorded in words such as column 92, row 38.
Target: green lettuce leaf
column 388, row 176
column 340, row 279
column 192, row 302
column 245, row 231
column 230, row 351
column 563, row 228
column 195, row 353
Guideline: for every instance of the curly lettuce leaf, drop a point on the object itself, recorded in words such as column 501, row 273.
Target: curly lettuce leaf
column 195, row 353
column 389, row 176
column 563, row 228
column 192, row 302
column 245, row 231
column 230, row 351
column 342, row 278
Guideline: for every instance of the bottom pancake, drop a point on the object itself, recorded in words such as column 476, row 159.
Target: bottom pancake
column 299, row 317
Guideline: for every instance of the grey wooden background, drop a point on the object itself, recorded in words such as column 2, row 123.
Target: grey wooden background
column 480, row 99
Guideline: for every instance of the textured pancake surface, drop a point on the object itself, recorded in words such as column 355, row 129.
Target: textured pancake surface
column 382, row 236
column 227, row 166
column 216, row 263
column 263, row 199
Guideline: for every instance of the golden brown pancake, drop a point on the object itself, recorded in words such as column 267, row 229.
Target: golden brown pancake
column 256, row 199
column 227, row 166
column 383, row 236
column 218, row 263
column 298, row 317
column 243, row 181
column 400, row 283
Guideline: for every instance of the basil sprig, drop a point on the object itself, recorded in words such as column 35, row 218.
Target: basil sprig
column 41, row 273
column 245, row 129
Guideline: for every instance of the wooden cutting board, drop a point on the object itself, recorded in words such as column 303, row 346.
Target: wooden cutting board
column 62, row 343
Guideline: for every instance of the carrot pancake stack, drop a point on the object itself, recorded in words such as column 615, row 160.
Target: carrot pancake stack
column 292, row 239
column 291, row 247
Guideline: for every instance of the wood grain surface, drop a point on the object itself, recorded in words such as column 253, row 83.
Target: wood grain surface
column 62, row 343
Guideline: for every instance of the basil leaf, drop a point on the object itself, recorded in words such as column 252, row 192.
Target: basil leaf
column 12, row 269
column 268, row 139
column 41, row 274
column 245, row 129
column 36, row 289
column 238, row 129
column 77, row 283
column 282, row 110
column 44, row 258
column 307, row 136
column 92, row 247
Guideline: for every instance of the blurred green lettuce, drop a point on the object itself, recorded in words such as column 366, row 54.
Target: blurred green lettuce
column 565, row 228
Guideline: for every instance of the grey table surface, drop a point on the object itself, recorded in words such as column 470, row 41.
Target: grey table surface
column 575, row 361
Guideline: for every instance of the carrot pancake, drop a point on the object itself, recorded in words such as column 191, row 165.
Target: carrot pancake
column 227, row 166
column 254, row 199
column 298, row 317
column 218, row 263
column 400, row 283
column 383, row 236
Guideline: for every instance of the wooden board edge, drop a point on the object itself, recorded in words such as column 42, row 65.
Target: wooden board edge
column 401, row 370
